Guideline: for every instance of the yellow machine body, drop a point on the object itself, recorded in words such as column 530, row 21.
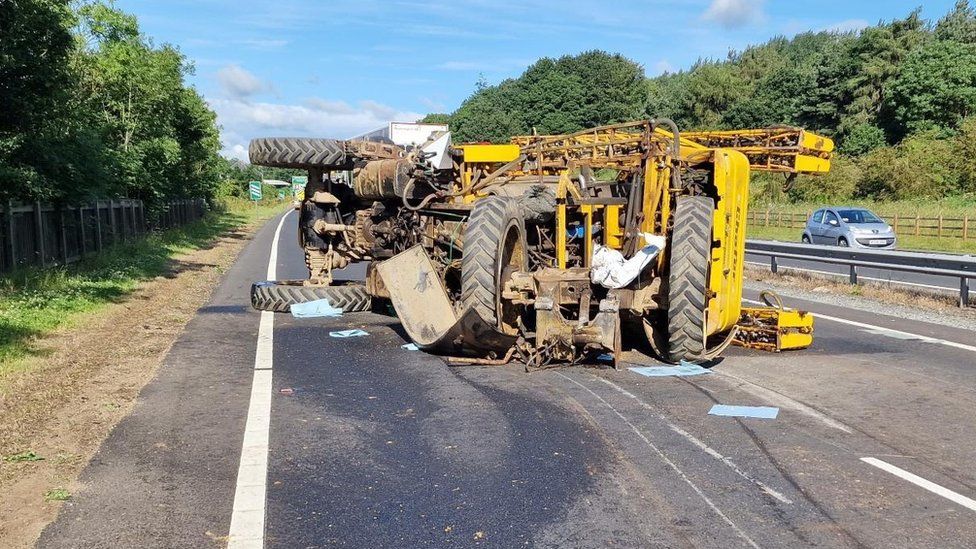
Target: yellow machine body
column 774, row 329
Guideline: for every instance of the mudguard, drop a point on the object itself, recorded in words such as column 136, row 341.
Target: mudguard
column 427, row 314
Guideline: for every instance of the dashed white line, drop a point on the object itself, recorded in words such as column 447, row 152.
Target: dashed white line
column 247, row 517
column 669, row 463
column 921, row 482
column 881, row 330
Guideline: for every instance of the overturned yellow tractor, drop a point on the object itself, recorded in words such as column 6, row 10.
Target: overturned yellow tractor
column 548, row 249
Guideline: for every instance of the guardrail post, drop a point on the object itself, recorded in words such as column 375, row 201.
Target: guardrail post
column 964, row 292
column 853, row 275
column 773, row 267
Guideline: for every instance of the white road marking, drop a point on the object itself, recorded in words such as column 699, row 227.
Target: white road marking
column 921, row 482
column 880, row 330
column 669, row 463
column 700, row 445
column 859, row 276
column 247, row 518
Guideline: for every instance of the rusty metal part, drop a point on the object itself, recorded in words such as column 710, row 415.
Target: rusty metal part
column 371, row 150
column 383, row 179
column 374, row 282
column 463, row 361
column 321, row 263
column 566, row 339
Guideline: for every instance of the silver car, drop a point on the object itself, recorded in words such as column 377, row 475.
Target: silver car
column 853, row 227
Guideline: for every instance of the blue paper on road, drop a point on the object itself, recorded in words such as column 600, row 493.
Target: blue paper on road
column 313, row 309
column 410, row 347
column 349, row 333
column 684, row 369
column 761, row 412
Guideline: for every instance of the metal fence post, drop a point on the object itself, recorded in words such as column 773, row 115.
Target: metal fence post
column 11, row 235
column 965, row 227
column 111, row 218
column 853, row 275
column 39, row 232
column 964, row 292
column 83, row 248
column 64, row 235
column 98, row 227
column 773, row 266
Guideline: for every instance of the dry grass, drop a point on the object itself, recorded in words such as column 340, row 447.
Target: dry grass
column 85, row 376
column 882, row 292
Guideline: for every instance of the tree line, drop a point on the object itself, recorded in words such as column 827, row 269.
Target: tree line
column 92, row 108
column 898, row 97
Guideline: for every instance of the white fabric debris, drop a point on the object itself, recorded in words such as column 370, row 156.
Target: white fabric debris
column 610, row 269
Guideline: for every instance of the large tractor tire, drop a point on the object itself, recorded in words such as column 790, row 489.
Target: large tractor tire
column 494, row 246
column 279, row 295
column 298, row 153
column 691, row 245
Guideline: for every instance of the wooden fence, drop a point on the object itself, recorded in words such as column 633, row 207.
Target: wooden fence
column 904, row 225
column 41, row 235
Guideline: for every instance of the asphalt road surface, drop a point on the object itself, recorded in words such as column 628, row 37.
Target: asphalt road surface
column 266, row 429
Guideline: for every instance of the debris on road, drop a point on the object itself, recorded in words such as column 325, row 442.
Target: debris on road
column 313, row 309
column 410, row 347
column 287, row 391
column 761, row 412
column 349, row 333
column 685, row 368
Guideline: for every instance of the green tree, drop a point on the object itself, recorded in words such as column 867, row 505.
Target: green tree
column 936, row 88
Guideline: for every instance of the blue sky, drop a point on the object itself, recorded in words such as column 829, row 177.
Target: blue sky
column 335, row 68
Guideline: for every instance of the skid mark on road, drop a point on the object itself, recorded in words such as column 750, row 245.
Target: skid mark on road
column 247, row 518
column 701, row 445
column 674, row 467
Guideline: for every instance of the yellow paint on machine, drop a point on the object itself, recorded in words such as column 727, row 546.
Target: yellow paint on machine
column 728, row 236
column 490, row 154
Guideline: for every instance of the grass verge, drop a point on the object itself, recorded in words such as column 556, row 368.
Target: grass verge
column 34, row 302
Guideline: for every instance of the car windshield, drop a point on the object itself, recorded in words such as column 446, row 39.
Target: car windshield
column 859, row 216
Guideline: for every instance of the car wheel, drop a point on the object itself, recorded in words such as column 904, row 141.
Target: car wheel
column 805, row 239
column 842, row 242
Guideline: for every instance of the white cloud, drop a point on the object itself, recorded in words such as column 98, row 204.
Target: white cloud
column 735, row 13
column 242, row 120
column 848, row 25
column 238, row 83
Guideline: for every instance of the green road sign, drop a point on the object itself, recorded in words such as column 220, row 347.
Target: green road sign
column 255, row 188
column 298, row 183
column 281, row 195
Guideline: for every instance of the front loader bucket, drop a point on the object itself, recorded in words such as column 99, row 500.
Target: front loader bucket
column 426, row 312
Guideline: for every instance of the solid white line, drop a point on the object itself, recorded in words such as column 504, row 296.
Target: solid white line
column 859, row 276
column 880, row 330
column 695, row 441
column 923, row 483
column 669, row 463
column 247, row 517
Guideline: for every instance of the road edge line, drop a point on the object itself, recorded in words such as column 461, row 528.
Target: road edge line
column 248, row 514
column 936, row 489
